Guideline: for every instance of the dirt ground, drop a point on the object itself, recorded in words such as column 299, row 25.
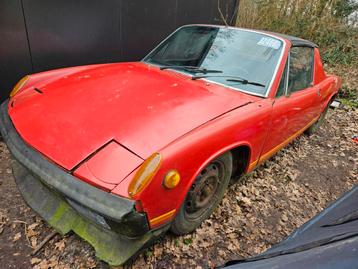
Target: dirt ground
column 259, row 211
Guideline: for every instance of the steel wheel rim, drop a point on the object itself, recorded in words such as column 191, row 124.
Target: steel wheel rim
column 203, row 192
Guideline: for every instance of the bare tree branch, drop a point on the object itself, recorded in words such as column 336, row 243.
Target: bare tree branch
column 221, row 14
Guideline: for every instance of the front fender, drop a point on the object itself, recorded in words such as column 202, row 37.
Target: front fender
column 191, row 153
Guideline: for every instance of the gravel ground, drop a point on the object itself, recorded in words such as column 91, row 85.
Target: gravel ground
column 257, row 212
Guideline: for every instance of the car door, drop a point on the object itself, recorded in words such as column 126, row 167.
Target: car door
column 297, row 102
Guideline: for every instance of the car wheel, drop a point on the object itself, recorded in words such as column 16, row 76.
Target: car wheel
column 314, row 127
column 204, row 195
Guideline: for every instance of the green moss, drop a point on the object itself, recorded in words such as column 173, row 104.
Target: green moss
column 350, row 103
column 110, row 246
column 63, row 218
column 187, row 241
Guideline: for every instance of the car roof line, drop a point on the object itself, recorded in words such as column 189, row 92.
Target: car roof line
column 295, row 41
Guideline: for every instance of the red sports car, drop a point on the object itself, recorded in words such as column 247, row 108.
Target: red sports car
column 120, row 153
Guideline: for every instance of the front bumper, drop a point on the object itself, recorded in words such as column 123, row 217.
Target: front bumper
column 108, row 222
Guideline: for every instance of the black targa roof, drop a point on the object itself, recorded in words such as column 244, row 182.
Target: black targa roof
column 329, row 240
column 296, row 41
column 299, row 42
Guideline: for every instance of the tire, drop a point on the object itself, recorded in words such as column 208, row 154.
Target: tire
column 204, row 195
column 314, row 127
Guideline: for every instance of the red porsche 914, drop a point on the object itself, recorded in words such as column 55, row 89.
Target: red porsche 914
column 120, row 153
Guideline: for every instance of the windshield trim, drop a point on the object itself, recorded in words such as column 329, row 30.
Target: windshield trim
column 234, row 88
column 269, row 88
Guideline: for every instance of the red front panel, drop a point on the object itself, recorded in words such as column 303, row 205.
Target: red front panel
column 137, row 105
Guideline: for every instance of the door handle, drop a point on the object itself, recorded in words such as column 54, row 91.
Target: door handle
column 319, row 92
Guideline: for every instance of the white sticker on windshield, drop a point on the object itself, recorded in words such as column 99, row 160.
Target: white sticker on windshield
column 270, row 43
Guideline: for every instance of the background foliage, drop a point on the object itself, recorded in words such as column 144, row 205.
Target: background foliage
column 332, row 24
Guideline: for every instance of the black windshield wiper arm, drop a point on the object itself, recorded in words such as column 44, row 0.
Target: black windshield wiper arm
column 191, row 68
column 233, row 79
column 245, row 81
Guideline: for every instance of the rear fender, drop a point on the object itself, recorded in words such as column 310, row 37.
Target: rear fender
column 330, row 91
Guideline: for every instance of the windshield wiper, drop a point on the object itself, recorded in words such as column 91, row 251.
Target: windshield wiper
column 191, row 69
column 233, row 79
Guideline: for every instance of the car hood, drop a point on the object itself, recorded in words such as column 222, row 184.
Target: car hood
column 69, row 117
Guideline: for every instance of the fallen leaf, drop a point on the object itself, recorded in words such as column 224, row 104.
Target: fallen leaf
column 35, row 261
column 33, row 225
column 246, row 201
column 60, row 246
column 31, row 232
column 16, row 237
column 33, row 241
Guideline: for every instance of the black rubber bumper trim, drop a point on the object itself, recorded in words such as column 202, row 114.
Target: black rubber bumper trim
column 110, row 245
column 116, row 208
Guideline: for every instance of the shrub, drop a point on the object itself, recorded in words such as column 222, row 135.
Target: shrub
column 325, row 22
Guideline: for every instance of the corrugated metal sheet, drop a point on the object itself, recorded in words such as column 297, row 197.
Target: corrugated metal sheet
column 38, row 35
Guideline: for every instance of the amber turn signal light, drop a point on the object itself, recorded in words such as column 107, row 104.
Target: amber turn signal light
column 172, row 179
column 19, row 85
column 145, row 174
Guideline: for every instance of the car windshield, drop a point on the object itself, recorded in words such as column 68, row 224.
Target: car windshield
column 241, row 59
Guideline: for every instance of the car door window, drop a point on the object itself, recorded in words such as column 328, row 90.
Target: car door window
column 301, row 69
column 283, row 83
